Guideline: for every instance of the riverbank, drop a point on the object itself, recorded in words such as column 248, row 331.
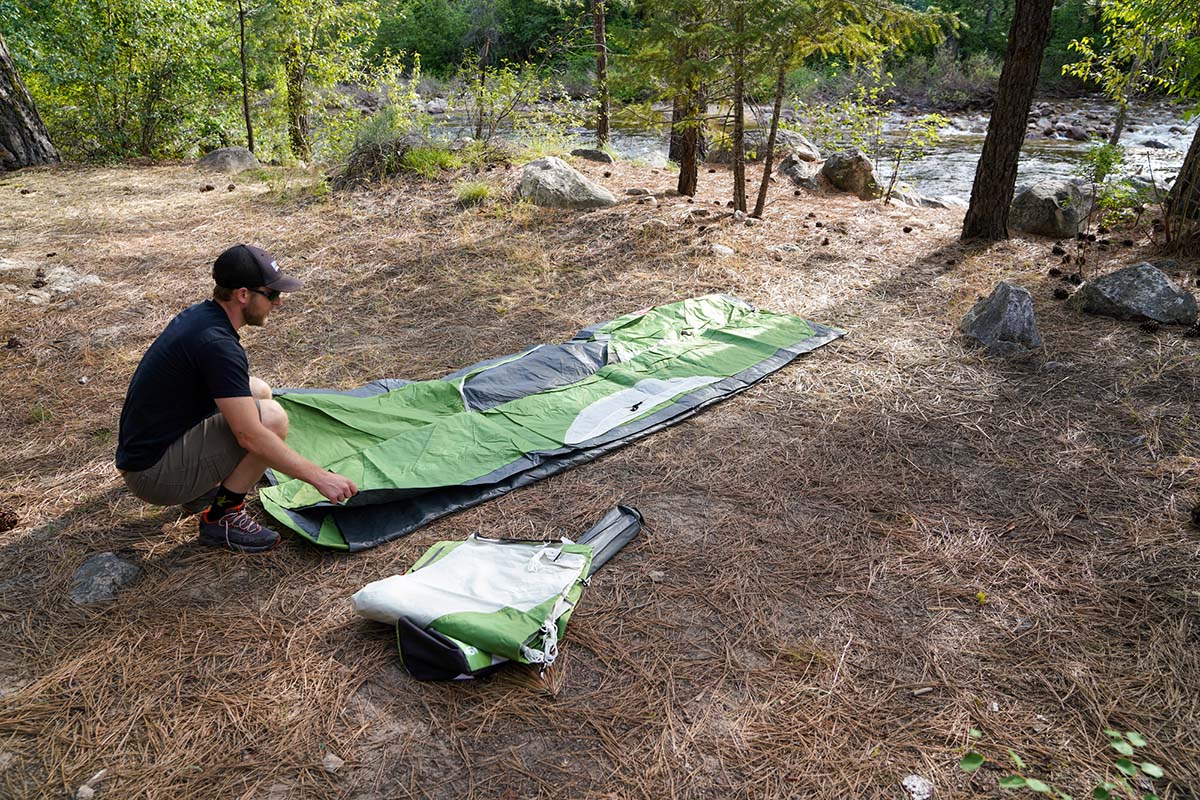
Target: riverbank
column 844, row 570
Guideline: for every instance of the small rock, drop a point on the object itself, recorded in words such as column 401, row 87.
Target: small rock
column 907, row 229
column 13, row 343
column 657, row 576
column 83, row 380
column 1004, row 322
column 723, row 251
column 918, row 788
column 231, row 187
column 993, row 706
column 208, row 187
column 101, row 577
column 924, row 690
column 825, row 241
column 635, row 191
column 648, row 200
column 1061, row 294
column 332, row 763
column 599, row 156
column 752, row 221
column 85, row 792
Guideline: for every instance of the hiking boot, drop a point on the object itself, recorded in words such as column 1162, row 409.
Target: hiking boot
column 201, row 503
column 237, row 530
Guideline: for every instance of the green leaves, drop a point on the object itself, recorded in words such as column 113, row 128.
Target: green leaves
column 1038, row 786
column 970, row 762
column 1151, row 769
column 1127, row 767
column 1012, row 782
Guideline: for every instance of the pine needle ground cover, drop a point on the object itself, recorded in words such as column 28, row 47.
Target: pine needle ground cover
column 844, row 569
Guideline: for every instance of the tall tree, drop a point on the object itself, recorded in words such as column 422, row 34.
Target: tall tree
column 24, row 141
column 245, row 75
column 996, row 173
column 600, row 40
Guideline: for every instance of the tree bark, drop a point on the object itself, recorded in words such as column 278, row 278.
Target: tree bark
column 297, row 102
column 739, row 113
column 996, row 173
column 769, row 156
column 245, row 76
column 691, row 143
column 1182, row 208
column 24, row 141
column 601, row 42
column 678, row 115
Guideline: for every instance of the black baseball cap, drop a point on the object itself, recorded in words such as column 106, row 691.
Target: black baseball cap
column 249, row 266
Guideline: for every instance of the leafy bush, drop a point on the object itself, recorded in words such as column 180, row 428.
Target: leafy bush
column 473, row 193
column 429, row 161
column 1121, row 785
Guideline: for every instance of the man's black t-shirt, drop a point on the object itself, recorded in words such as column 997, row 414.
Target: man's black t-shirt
column 196, row 359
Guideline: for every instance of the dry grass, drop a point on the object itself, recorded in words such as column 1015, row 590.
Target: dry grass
column 824, row 536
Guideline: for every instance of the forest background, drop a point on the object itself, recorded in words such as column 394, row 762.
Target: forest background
column 164, row 78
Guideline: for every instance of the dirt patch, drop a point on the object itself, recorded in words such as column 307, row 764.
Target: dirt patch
column 884, row 545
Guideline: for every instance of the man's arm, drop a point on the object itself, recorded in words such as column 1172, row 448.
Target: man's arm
column 265, row 445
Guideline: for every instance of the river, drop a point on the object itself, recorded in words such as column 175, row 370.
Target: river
column 949, row 168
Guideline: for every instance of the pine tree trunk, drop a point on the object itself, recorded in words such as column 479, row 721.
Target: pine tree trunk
column 297, row 103
column 245, row 76
column 1182, row 208
column 601, row 72
column 996, row 173
column 690, row 145
column 769, row 156
column 24, row 141
column 739, row 115
column 678, row 115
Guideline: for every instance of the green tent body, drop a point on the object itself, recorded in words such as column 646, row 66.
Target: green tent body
column 423, row 449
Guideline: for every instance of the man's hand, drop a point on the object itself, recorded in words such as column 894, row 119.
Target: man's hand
column 336, row 488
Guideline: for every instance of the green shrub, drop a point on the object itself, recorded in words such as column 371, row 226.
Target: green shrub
column 473, row 193
column 429, row 161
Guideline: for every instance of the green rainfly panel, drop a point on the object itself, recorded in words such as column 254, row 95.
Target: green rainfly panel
column 420, row 450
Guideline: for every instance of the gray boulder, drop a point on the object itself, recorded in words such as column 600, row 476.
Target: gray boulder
column 1155, row 144
column 1053, row 207
column 552, row 182
column 100, row 578
column 755, row 144
column 804, row 174
column 1140, row 291
column 906, row 196
column 437, row 105
column 599, row 156
column 230, row 160
column 1003, row 322
column 1149, row 188
column 852, row 172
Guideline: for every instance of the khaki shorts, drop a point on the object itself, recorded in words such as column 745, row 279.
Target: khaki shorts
column 195, row 463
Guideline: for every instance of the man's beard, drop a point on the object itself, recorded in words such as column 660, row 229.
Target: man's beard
column 255, row 319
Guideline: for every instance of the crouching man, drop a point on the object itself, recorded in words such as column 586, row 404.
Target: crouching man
column 196, row 428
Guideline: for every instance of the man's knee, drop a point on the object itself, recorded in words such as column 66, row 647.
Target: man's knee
column 259, row 389
column 274, row 417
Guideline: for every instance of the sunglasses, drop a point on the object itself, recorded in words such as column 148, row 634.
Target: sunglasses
column 271, row 294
